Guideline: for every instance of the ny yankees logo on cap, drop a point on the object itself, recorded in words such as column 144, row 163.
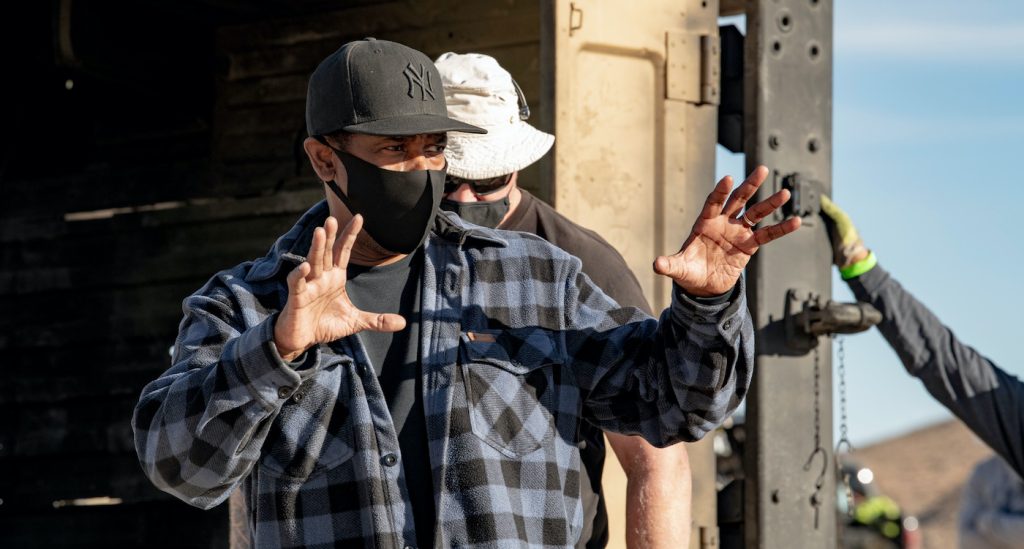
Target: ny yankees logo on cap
column 421, row 79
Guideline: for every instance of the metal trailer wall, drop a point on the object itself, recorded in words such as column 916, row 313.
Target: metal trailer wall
column 102, row 158
column 634, row 94
column 138, row 161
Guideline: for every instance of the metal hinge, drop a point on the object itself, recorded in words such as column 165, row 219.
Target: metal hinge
column 708, row 537
column 692, row 67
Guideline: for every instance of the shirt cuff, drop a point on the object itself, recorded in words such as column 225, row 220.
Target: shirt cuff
column 720, row 310
column 709, row 300
column 268, row 377
column 304, row 362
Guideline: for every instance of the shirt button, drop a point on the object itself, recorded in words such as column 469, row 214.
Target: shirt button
column 284, row 392
column 582, row 445
column 297, row 397
column 390, row 460
column 727, row 324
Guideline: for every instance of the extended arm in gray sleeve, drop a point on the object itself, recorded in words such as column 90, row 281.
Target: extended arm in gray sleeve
column 987, row 399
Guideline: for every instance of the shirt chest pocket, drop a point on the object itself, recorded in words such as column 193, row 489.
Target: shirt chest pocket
column 513, row 385
column 312, row 433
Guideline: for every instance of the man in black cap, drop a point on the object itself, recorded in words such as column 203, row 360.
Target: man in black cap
column 450, row 416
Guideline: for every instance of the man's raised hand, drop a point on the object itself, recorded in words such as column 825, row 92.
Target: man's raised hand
column 721, row 242
column 318, row 308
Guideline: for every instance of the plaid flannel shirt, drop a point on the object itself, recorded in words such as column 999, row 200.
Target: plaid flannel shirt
column 517, row 346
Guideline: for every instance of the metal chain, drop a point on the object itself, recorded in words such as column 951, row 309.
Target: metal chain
column 817, row 398
column 844, row 441
column 817, row 499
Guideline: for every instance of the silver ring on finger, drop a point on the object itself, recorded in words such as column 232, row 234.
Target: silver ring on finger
column 746, row 221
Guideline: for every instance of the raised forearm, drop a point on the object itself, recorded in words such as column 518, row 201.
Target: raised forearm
column 691, row 371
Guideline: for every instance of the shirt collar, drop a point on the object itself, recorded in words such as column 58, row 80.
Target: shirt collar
column 293, row 246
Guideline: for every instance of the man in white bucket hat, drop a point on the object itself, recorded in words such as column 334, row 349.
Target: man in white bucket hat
column 482, row 188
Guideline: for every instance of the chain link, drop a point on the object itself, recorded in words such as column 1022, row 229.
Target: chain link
column 817, row 398
column 816, row 499
column 844, row 440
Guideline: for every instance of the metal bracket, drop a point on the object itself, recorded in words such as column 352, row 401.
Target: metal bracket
column 708, row 537
column 806, row 197
column 692, row 67
column 575, row 18
column 808, row 317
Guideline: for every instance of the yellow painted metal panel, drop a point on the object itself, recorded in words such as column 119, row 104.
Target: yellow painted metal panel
column 634, row 159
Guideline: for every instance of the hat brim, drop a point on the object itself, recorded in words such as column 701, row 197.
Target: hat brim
column 413, row 124
column 497, row 153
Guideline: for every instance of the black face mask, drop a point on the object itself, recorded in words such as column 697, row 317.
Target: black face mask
column 398, row 208
column 485, row 214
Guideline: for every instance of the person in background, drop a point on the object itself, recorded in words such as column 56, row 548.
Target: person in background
column 987, row 399
column 483, row 173
column 992, row 507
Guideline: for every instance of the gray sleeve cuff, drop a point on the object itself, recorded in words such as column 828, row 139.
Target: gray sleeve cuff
column 269, row 378
column 710, row 300
column 723, row 311
column 869, row 283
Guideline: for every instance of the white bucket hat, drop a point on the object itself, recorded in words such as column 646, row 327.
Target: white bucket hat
column 479, row 92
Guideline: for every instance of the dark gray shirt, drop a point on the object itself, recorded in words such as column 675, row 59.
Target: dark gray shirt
column 988, row 400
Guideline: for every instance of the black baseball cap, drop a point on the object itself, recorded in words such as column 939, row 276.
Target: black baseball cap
column 378, row 87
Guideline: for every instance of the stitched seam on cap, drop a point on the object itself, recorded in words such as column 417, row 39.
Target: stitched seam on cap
column 348, row 79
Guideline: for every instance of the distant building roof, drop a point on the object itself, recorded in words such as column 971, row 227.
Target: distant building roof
column 924, row 471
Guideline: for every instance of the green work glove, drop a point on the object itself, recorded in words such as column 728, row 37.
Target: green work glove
column 848, row 251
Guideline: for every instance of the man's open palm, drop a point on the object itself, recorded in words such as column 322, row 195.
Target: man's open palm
column 721, row 242
column 318, row 308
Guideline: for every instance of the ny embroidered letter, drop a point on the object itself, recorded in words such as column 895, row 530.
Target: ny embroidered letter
column 421, row 79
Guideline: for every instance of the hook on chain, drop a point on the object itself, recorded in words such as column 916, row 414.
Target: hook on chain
column 824, row 466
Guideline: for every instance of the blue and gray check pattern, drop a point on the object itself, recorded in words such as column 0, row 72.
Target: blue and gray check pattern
column 517, row 346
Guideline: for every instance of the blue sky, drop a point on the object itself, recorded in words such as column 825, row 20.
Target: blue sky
column 928, row 128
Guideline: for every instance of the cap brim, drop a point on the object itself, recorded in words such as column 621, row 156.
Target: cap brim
column 414, row 124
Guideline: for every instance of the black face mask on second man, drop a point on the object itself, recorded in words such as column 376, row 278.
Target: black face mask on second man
column 483, row 213
column 398, row 208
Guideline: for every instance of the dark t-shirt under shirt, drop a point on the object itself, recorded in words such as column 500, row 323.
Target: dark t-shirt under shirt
column 395, row 357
